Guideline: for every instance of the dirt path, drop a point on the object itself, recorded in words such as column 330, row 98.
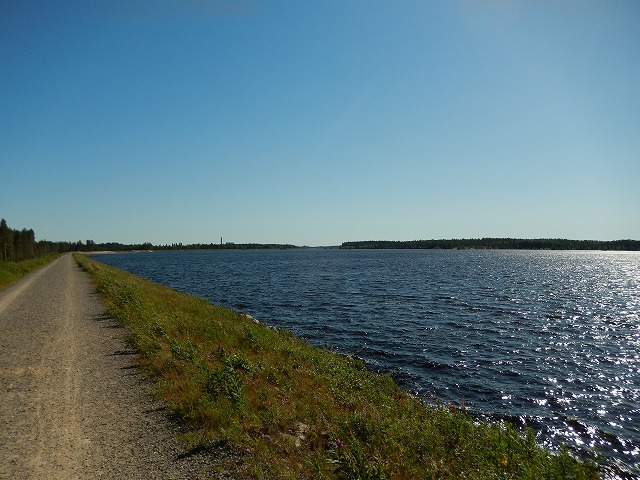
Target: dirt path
column 72, row 403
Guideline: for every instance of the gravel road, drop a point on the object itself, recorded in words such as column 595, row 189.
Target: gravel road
column 72, row 403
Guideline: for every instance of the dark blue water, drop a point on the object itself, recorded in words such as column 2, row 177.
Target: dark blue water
column 543, row 338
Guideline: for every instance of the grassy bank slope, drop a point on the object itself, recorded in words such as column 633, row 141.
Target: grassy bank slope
column 11, row 272
column 295, row 411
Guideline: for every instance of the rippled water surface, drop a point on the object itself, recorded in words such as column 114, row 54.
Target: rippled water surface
column 544, row 338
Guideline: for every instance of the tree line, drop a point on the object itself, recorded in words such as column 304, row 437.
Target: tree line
column 501, row 243
column 17, row 245
column 119, row 247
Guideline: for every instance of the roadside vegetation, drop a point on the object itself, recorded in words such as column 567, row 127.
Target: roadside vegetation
column 11, row 272
column 290, row 410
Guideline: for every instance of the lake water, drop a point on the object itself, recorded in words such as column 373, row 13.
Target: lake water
column 549, row 339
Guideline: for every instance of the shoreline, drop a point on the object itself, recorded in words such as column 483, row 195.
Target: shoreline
column 262, row 388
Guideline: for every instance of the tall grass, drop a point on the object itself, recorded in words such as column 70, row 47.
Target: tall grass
column 11, row 272
column 291, row 410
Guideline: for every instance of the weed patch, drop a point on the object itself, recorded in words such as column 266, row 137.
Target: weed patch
column 11, row 272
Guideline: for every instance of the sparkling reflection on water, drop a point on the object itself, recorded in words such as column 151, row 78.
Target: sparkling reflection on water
column 543, row 338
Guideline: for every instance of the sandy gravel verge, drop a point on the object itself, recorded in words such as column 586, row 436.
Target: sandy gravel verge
column 73, row 405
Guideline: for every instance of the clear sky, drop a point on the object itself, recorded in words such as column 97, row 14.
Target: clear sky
column 315, row 123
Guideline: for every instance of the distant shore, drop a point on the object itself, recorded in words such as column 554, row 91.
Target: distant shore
column 451, row 244
column 500, row 244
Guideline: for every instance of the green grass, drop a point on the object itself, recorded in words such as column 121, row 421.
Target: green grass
column 291, row 410
column 11, row 272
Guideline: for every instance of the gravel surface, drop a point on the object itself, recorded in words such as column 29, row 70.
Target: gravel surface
column 73, row 405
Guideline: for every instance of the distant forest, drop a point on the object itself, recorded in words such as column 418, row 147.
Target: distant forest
column 17, row 245
column 501, row 243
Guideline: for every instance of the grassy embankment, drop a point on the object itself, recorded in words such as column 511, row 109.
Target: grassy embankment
column 11, row 272
column 295, row 411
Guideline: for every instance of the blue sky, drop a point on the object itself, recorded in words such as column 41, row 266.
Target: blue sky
column 315, row 123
